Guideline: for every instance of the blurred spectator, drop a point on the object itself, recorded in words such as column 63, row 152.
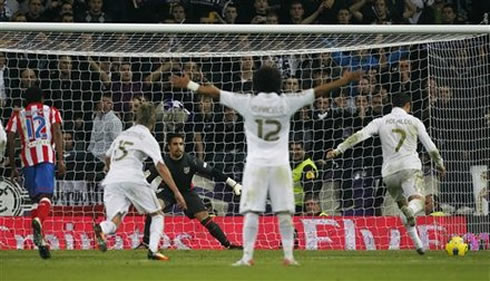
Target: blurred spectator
column 356, row 59
column 124, row 89
column 135, row 103
column 106, row 127
column 328, row 11
column 302, row 126
column 67, row 17
column 205, row 133
column 344, row 16
column 229, row 152
column 365, row 88
column 375, row 11
column 297, row 12
column 405, row 80
column 305, row 174
column 242, row 79
column 94, row 13
column 258, row 16
column 363, row 115
column 234, row 131
column 16, row 88
column 291, row 85
column 449, row 15
column 230, row 14
column 81, row 167
column 357, row 188
column 325, row 133
column 272, row 18
column 19, row 17
column 377, row 105
column 5, row 12
column 69, row 90
column 34, row 14
column 177, row 14
column 312, row 206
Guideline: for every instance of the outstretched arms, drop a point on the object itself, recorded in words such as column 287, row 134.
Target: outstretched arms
column 205, row 169
column 347, row 77
column 359, row 136
column 185, row 82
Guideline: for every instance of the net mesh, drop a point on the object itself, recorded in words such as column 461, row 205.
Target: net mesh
column 447, row 77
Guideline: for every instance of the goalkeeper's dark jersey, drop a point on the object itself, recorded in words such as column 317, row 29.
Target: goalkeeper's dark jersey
column 184, row 169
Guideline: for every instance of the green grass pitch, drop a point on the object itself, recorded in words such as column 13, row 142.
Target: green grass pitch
column 201, row 265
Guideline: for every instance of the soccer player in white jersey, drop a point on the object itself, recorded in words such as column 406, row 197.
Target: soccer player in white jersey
column 402, row 169
column 125, row 182
column 267, row 117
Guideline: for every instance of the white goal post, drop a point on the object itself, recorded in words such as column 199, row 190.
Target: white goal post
column 445, row 69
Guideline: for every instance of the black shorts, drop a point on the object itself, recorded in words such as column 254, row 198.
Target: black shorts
column 192, row 199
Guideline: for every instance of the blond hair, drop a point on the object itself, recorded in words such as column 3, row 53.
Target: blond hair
column 145, row 115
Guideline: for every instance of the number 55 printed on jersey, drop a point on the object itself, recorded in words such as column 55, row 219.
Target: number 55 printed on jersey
column 36, row 128
column 123, row 145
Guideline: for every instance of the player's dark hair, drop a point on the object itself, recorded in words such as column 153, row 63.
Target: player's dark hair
column 33, row 94
column 267, row 80
column 145, row 115
column 400, row 99
column 171, row 136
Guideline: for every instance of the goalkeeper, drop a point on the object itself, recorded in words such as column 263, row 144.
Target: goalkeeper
column 183, row 166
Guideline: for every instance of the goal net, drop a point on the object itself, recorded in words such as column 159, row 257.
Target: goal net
column 343, row 203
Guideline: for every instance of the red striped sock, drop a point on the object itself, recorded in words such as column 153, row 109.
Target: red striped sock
column 43, row 209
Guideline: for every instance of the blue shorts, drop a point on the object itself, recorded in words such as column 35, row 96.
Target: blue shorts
column 39, row 179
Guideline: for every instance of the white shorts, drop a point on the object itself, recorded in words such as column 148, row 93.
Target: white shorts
column 405, row 183
column 119, row 196
column 259, row 181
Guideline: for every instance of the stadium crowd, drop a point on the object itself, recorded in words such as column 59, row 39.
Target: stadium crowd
column 98, row 96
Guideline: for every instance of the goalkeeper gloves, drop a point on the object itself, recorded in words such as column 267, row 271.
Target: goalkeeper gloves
column 237, row 188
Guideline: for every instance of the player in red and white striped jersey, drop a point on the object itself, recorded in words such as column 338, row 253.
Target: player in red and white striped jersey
column 39, row 128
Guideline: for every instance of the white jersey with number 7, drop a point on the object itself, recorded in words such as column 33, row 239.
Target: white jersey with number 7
column 267, row 121
column 398, row 132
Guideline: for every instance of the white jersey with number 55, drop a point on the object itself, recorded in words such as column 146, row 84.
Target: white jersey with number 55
column 267, row 121
column 398, row 132
column 128, row 152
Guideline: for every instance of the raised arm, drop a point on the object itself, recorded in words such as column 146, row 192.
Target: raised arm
column 185, row 82
column 359, row 136
column 347, row 77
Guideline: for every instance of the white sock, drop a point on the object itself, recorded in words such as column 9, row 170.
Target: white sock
column 417, row 205
column 287, row 234
column 156, row 230
column 250, row 228
column 108, row 227
column 412, row 232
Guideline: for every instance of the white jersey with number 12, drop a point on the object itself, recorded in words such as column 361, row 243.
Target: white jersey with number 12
column 267, row 121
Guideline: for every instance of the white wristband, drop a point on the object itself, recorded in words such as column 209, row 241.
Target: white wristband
column 193, row 86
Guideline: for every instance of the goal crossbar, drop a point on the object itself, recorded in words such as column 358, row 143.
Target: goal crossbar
column 244, row 28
